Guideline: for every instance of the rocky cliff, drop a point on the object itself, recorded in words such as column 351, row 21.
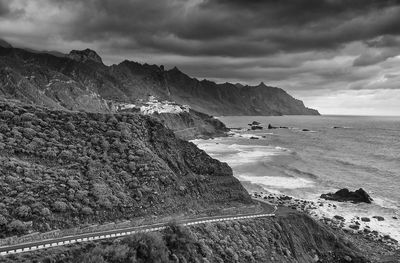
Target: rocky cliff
column 60, row 169
column 80, row 81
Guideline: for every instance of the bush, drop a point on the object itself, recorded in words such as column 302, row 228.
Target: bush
column 24, row 211
column 16, row 226
column 3, row 220
column 28, row 117
column 6, row 114
column 45, row 212
column 87, row 210
column 60, row 206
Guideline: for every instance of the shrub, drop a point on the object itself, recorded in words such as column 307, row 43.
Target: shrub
column 87, row 210
column 149, row 247
column 6, row 114
column 16, row 226
column 65, row 154
column 60, row 206
column 74, row 184
column 70, row 126
column 3, row 220
column 28, row 117
column 45, row 212
column 24, row 211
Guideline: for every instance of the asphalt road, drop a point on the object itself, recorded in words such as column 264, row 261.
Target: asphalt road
column 268, row 211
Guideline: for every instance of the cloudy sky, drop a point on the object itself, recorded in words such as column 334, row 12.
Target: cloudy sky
column 339, row 56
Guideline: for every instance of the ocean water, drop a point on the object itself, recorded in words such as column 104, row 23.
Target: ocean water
column 361, row 152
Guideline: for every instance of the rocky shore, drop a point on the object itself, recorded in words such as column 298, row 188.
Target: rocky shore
column 378, row 246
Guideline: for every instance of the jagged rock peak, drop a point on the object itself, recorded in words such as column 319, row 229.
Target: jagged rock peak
column 85, row 55
column 4, row 44
column 175, row 69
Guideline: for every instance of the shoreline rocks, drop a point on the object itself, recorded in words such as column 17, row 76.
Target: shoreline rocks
column 356, row 226
column 344, row 195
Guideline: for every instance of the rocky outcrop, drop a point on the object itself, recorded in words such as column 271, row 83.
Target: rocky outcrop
column 85, row 55
column 344, row 195
column 193, row 125
column 5, row 44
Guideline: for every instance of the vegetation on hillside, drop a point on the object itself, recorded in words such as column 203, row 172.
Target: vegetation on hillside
column 296, row 238
column 62, row 169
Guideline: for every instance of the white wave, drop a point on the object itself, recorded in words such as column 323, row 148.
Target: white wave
column 278, row 182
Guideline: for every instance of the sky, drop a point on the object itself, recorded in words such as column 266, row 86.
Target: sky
column 338, row 56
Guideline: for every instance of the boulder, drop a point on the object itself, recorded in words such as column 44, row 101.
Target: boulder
column 379, row 218
column 344, row 195
column 256, row 127
column 270, row 127
column 341, row 218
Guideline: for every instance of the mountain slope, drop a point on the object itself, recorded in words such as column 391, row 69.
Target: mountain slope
column 80, row 81
column 60, row 169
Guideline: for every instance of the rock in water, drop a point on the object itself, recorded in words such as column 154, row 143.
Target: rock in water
column 256, row 127
column 344, row 195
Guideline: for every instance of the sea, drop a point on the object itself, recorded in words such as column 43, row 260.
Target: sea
column 312, row 155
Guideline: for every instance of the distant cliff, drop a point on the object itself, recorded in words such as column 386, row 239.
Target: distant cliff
column 80, row 81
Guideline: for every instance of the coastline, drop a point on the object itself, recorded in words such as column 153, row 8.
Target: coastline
column 360, row 230
column 377, row 247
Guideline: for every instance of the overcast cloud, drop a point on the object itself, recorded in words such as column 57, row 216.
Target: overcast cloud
column 340, row 56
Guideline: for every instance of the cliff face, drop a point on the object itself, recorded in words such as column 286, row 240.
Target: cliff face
column 80, row 81
column 193, row 125
column 60, row 169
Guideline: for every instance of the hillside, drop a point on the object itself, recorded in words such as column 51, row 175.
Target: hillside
column 61, row 169
column 80, row 81
column 294, row 238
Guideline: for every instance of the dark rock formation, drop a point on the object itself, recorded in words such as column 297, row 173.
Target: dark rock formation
column 270, row 127
column 254, row 123
column 85, row 55
column 256, row 127
column 5, row 44
column 344, row 195
column 193, row 125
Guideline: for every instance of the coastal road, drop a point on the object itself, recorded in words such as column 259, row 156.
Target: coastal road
column 268, row 211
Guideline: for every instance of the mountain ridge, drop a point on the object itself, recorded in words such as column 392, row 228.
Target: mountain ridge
column 84, row 75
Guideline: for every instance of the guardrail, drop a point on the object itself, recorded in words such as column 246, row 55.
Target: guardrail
column 43, row 244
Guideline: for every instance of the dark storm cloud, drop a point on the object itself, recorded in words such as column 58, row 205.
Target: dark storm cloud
column 4, row 8
column 232, row 28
